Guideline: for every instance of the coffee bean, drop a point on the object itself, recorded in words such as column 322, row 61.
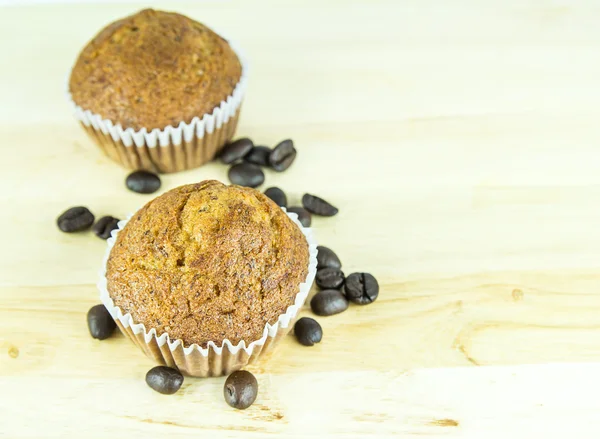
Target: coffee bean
column 328, row 303
column 326, row 258
column 100, row 323
column 318, row 206
column 361, row 288
column 75, row 219
column 308, row 331
column 259, row 155
column 246, row 174
column 165, row 380
column 235, row 151
column 282, row 156
column 277, row 195
column 143, row 182
column 104, row 226
column 240, row 389
column 329, row 278
column 303, row 215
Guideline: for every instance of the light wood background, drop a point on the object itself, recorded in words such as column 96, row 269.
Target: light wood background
column 460, row 140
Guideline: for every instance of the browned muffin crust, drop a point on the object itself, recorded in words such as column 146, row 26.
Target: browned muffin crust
column 205, row 262
column 154, row 69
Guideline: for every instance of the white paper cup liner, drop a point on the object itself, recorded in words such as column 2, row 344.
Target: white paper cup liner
column 170, row 149
column 214, row 360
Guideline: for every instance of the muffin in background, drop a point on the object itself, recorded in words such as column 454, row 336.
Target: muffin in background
column 158, row 91
column 215, row 273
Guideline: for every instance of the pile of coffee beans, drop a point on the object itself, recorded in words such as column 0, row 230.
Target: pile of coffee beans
column 78, row 219
column 247, row 159
column 310, row 203
column 336, row 292
column 337, row 289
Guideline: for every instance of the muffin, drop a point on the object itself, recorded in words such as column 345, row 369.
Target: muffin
column 213, row 270
column 158, row 91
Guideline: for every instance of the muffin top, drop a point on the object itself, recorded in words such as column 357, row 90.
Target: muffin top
column 205, row 262
column 154, row 69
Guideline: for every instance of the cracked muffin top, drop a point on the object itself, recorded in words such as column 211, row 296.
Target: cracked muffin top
column 207, row 262
column 154, row 69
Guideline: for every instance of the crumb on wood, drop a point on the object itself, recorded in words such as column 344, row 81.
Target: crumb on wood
column 517, row 295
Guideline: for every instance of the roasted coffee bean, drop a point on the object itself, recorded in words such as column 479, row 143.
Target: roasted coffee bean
column 104, row 226
column 100, row 323
column 246, row 174
column 165, row 380
column 308, row 331
column 303, row 215
column 318, row 206
column 329, row 278
column 277, row 195
column 143, row 182
column 259, row 155
column 326, row 258
column 361, row 288
column 328, row 303
column 235, row 151
column 75, row 219
column 240, row 389
column 282, row 156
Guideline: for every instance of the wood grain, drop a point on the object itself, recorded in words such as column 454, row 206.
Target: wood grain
column 459, row 140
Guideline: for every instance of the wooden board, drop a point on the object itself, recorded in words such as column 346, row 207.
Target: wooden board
column 459, row 140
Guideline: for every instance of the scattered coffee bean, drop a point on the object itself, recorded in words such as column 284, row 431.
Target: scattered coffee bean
column 318, row 206
column 100, row 323
column 361, row 288
column 329, row 278
column 282, row 156
column 277, row 195
column 308, row 331
column 303, row 215
column 143, row 182
column 328, row 303
column 259, row 155
column 165, row 380
column 326, row 258
column 246, row 174
column 104, row 226
column 235, row 151
column 75, row 219
column 240, row 389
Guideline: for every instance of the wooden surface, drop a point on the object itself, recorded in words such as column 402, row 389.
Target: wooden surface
column 459, row 140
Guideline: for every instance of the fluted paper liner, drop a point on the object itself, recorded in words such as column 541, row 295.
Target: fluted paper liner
column 214, row 360
column 171, row 149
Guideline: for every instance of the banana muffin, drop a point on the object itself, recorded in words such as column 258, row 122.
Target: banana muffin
column 208, row 262
column 155, row 69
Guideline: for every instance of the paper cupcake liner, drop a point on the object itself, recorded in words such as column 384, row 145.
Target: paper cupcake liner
column 214, row 360
column 171, row 149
